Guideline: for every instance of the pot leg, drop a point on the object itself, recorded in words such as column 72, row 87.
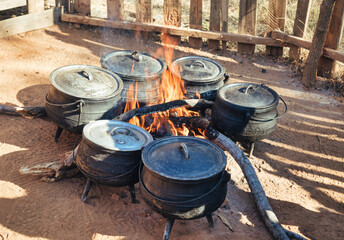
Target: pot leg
column 132, row 194
column 58, row 133
column 251, row 150
column 86, row 190
column 210, row 220
column 168, row 228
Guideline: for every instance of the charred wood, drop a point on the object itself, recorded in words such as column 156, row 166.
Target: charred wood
column 194, row 103
column 27, row 112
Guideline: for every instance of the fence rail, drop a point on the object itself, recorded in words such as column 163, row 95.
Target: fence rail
column 79, row 11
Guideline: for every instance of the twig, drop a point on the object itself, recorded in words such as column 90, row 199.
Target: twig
column 224, row 220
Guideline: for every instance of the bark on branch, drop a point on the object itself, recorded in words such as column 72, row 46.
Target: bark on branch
column 27, row 112
column 194, row 103
column 315, row 52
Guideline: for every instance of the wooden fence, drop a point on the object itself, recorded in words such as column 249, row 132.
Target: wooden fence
column 79, row 11
column 36, row 18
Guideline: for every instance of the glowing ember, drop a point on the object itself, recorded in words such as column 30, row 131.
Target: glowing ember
column 171, row 88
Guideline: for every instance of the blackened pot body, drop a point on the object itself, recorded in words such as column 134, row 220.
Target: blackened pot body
column 192, row 208
column 113, row 168
column 245, row 123
column 110, row 152
column 73, row 109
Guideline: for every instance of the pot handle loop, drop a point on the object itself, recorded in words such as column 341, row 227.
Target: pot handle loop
column 198, row 63
column 185, row 150
column 248, row 87
column 87, row 74
column 123, row 131
column 136, row 56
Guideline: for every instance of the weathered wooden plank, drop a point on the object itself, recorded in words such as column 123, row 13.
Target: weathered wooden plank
column 327, row 66
column 215, row 22
column 35, row 6
column 172, row 16
column 300, row 42
column 300, row 24
column 82, row 6
column 232, row 37
column 115, row 9
column 276, row 21
column 195, row 21
column 224, row 20
column 29, row 22
column 144, row 11
column 247, row 23
column 8, row 4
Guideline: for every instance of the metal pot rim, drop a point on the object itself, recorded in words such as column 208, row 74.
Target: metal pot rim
column 116, row 92
column 128, row 77
column 199, row 81
column 222, row 91
column 87, row 138
column 174, row 139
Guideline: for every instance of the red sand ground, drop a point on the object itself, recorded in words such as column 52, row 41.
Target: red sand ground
column 300, row 165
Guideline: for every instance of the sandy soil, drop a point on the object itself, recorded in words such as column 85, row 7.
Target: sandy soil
column 300, row 165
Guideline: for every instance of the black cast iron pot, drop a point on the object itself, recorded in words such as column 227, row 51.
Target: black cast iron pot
column 110, row 152
column 141, row 74
column 200, row 74
column 183, row 177
column 246, row 112
column 80, row 93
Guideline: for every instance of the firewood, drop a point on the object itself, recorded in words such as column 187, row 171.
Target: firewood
column 27, row 112
column 201, row 103
column 54, row 170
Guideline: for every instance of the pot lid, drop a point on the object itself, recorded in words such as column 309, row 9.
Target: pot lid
column 248, row 95
column 197, row 69
column 133, row 65
column 184, row 158
column 116, row 135
column 84, row 81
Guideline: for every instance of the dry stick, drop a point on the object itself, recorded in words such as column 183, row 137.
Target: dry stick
column 315, row 52
column 163, row 107
column 27, row 112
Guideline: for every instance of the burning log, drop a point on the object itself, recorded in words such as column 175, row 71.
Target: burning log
column 27, row 112
column 194, row 103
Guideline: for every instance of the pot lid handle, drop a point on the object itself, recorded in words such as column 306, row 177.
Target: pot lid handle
column 86, row 74
column 136, row 56
column 248, row 87
column 185, row 150
column 198, row 63
column 122, row 131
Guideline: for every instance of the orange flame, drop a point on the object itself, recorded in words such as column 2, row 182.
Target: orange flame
column 171, row 88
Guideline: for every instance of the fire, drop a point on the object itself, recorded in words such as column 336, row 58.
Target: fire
column 171, row 88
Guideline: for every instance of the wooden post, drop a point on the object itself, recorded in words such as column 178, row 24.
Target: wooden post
column 144, row 11
column 326, row 66
column 82, row 6
column 115, row 9
column 214, row 25
column 35, row 6
column 276, row 21
column 172, row 16
column 300, row 24
column 195, row 21
column 315, row 52
column 247, row 23
column 224, row 20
